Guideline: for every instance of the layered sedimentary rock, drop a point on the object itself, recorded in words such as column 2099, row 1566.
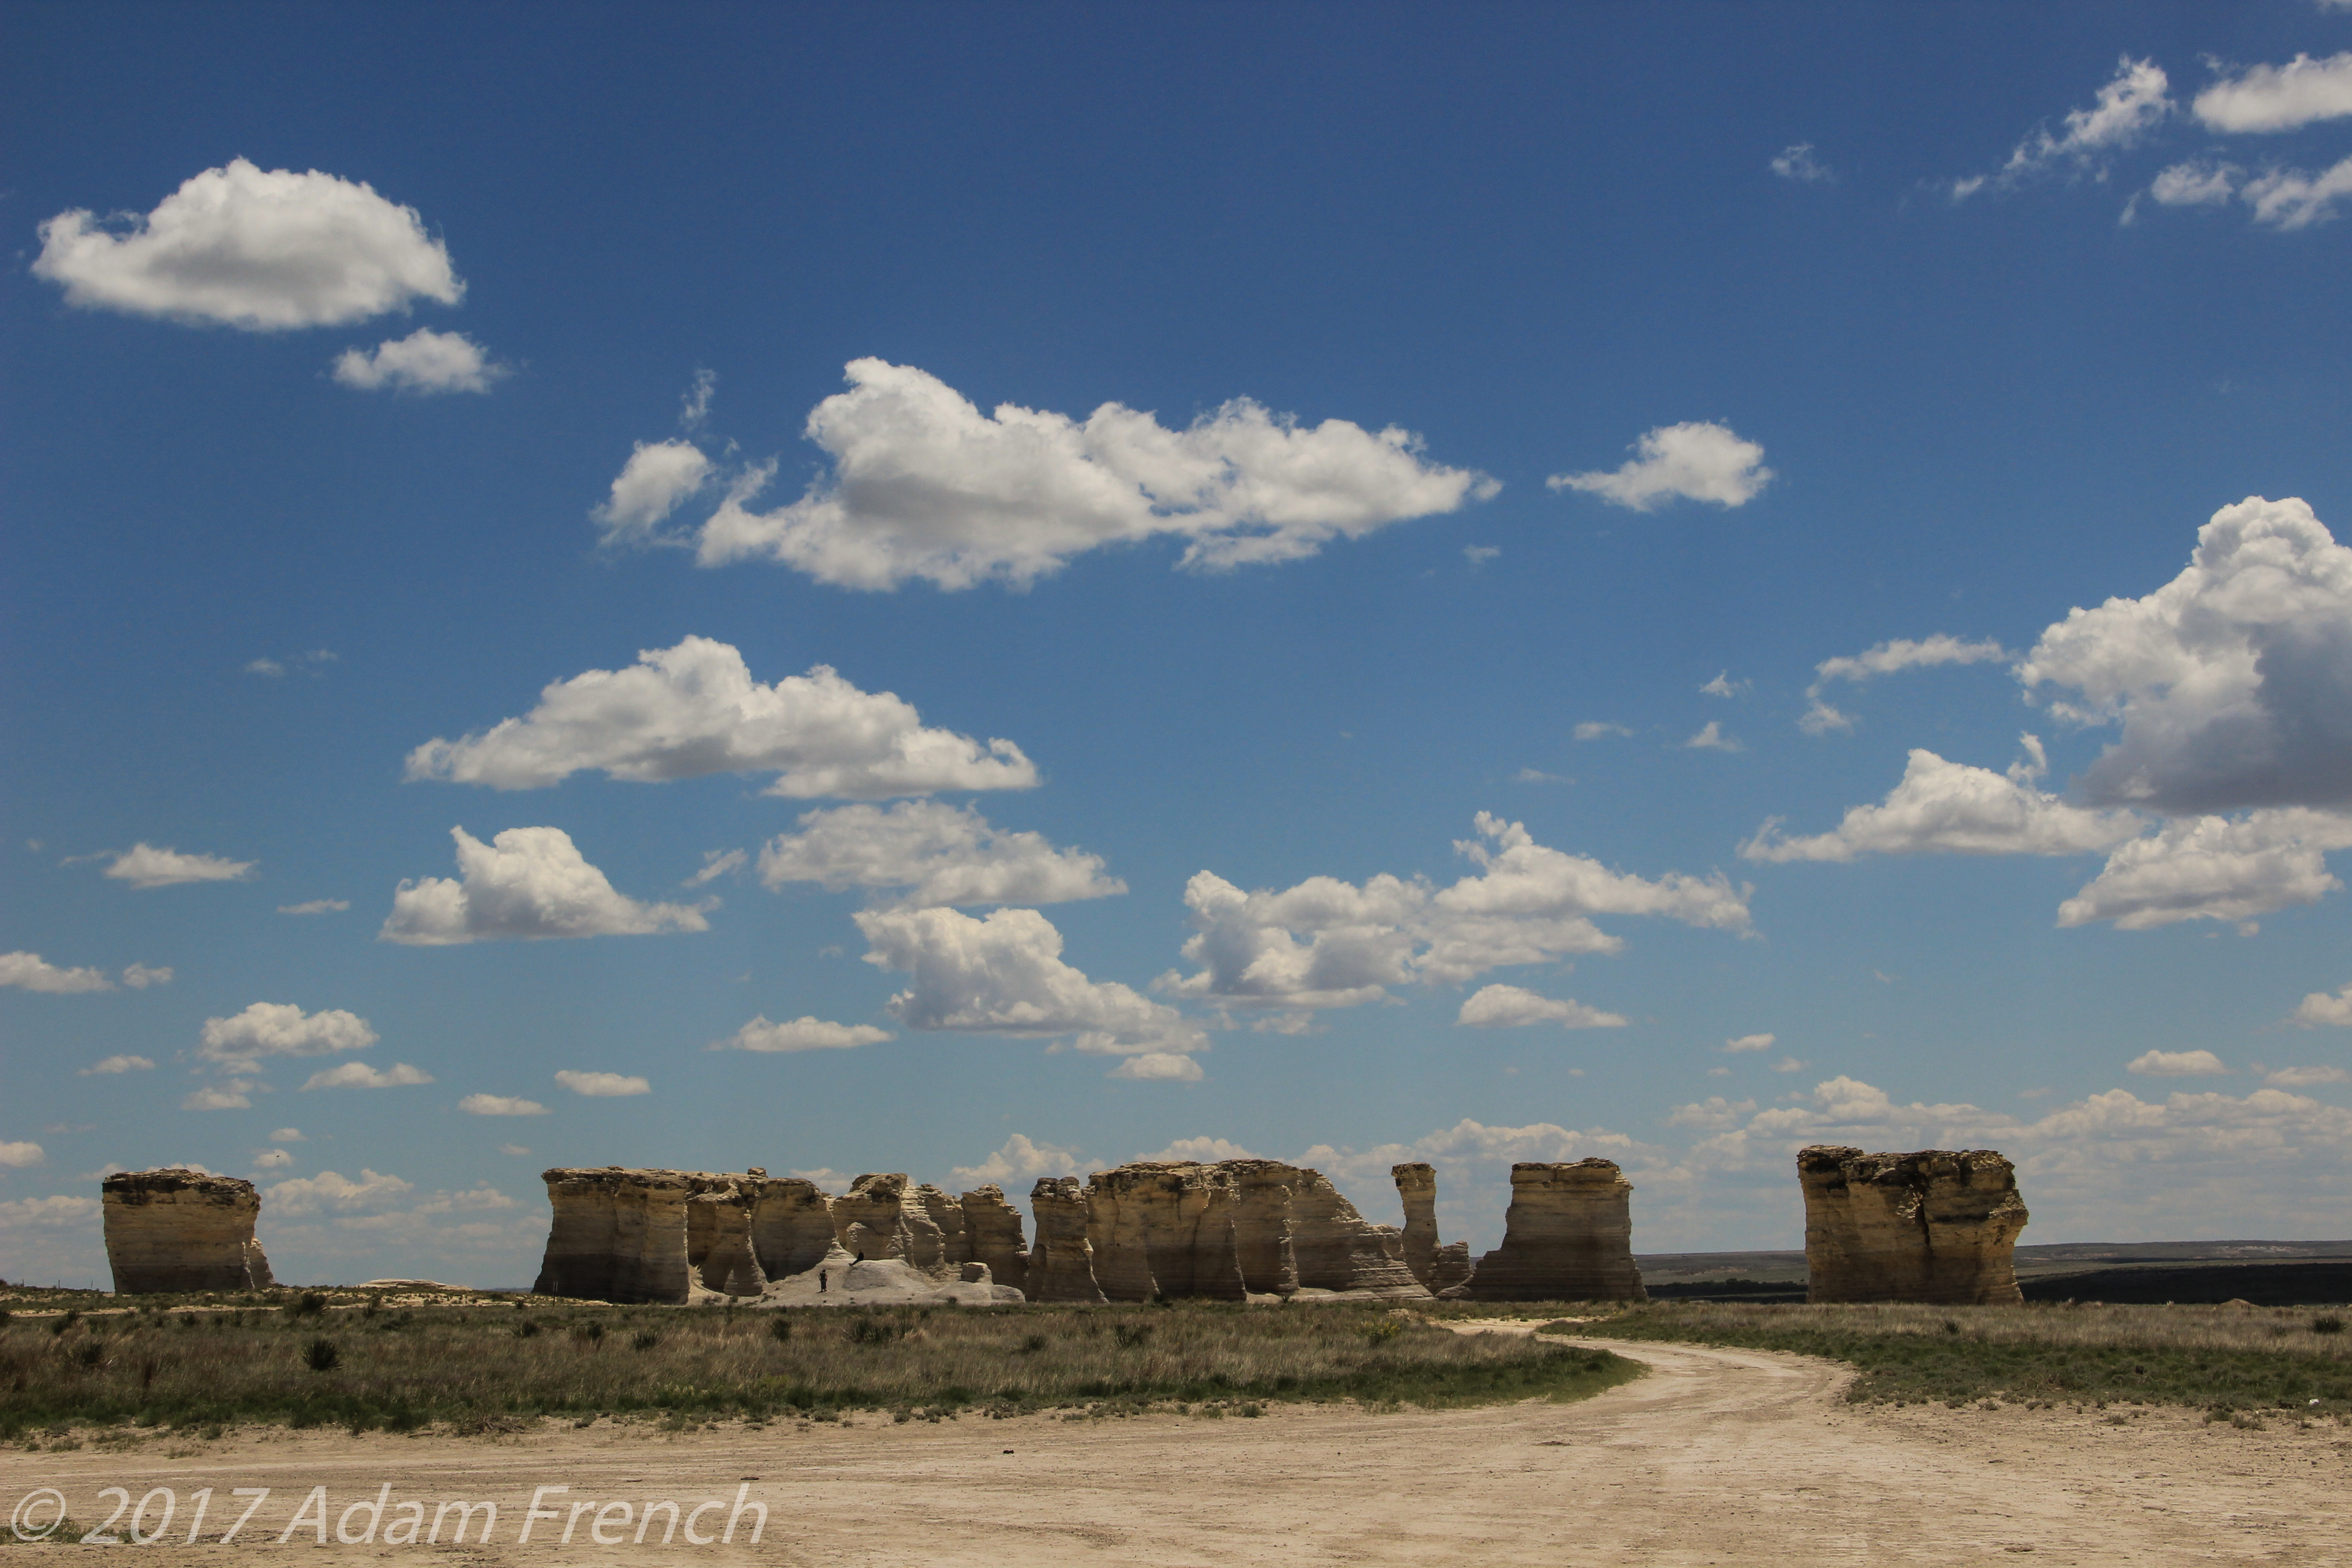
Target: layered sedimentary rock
column 1939, row 1226
column 1450, row 1268
column 718, row 1251
column 1416, row 1185
column 792, row 1226
column 994, row 1227
column 1061, row 1258
column 1303, row 1236
column 840, row 1279
column 1164, row 1228
column 617, row 1235
column 1568, row 1237
column 179, row 1230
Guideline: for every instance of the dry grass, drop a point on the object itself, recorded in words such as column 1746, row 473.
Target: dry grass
column 401, row 1368
column 2220, row 1358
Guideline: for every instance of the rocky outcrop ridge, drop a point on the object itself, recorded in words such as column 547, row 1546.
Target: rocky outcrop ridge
column 1061, row 1258
column 1939, row 1226
column 175, row 1229
column 993, row 1226
column 1164, row 1228
column 1567, row 1236
column 622, row 1235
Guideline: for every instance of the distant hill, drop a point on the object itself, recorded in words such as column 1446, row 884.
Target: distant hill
column 2263, row 1272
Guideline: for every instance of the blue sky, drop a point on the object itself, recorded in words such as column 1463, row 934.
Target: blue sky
column 987, row 591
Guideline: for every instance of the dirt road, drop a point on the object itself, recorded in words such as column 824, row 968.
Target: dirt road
column 1718, row 1455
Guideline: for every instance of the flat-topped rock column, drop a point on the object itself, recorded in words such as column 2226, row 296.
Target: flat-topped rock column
column 617, row 1235
column 993, row 1226
column 1938, row 1225
column 1164, row 1228
column 176, row 1229
column 792, row 1226
column 1567, row 1236
column 1061, row 1258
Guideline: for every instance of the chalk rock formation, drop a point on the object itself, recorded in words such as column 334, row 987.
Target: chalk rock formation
column 1417, row 1184
column 1939, row 1226
column 840, row 1279
column 792, row 1226
column 993, row 1226
column 1450, row 1268
column 1301, row 1235
column 179, row 1230
column 1164, row 1228
column 1567, row 1236
column 1061, row 1259
column 719, row 1253
column 617, row 1235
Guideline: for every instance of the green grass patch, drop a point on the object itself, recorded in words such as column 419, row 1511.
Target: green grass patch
column 2220, row 1359
column 491, row 1368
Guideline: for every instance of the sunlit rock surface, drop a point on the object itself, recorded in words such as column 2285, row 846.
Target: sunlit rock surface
column 1567, row 1236
column 1938, row 1225
column 173, row 1229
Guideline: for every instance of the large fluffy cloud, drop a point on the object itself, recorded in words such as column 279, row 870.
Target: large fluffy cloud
column 936, row 854
column 424, row 362
column 686, row 711
column 144, row 865
column 2213, row 867
column 260, row 250
column 925, row 485
column 2233, row 683
column 1004, row 976
column 528, row 882
column 2279, row 97
column 1022, row 1158
column 1692, row 461
column 1949, row 807
column 1329, row 943
column 236, row 1043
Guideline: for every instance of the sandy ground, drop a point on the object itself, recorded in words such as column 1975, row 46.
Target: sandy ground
column 1717, row 1456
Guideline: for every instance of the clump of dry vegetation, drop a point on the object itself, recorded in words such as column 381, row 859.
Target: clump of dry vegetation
column 2221, row 1359
column 401, row 1368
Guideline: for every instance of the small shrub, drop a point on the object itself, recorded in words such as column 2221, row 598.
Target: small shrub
column 2327, row 1323
column 1034, row 1342
column 587, row 1333
column 321, row 1355
column 1383, row 1330
column 645, row 1339
column 308, row 1304
column 780, row 1328
column 526, row 1330
column 874, row 1332
column 72, row 1316
column 1133, row 1336
column 90, row 1352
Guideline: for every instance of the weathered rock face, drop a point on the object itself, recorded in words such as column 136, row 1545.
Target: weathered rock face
column 937, row 1239
column 718, row 1252
column 1568, row 1237
column 1061, row 1259
column 1164, row 1228
column 1417, row 1185
column 617, row 1235
column 994, row 1227
column 870, row 1218
column 179, row 1230
column 792, row 1226
column 1450, row 1268
column 841, row 1280
column 1297, row 1211
column 1939, row 1226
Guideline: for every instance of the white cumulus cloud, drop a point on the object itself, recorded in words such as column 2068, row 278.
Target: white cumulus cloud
column 1711, row 738
column 1004, row 976
column 18, row 1156
column 424, row 362
column 1511, row 1007
column 2215, row 868
column 1943, row 807
column 144, row 866
column 1599, row 729
column 2177, row 1064
column 2305, row 1078
column 603, row 1084
column 359, row 1075
column 658, row 476
column 260, row 250
column 108, row 1065
column 280, row 1029
column 1900, row 654
column 230, row 1094
column 801, row 1034
column 1158, row 1067
column 328, row 1190
column 2291, row 199
column 1694, row 460
column 2319, row 1007
column 1798, row 162
column 33, row 973
column 694, row 710
column 316, row 907
column 2267, row 98
column 527, row 883
column 139, row 976
column 2230, row 682
column 501, row 1105
column 1752, row 1043
column 937, row 854
column 1022, row 1158
column 925, row 486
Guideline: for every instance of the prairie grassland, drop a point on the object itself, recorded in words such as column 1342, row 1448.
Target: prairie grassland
column 2222, row 1359
column 399, row 1369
